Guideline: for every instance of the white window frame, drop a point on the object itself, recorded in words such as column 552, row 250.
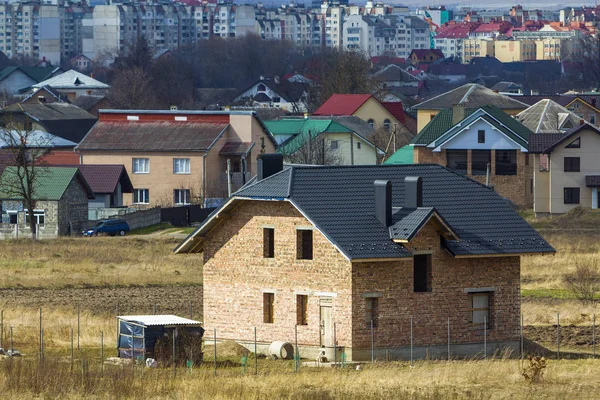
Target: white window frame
column 36, row 215
column 141, row 162
column 181, row 162
column 177, row 194
column 146, row 196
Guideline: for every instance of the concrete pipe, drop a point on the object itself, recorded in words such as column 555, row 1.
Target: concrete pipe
column 283, row 350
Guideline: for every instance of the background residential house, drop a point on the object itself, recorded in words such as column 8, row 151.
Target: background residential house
column 393, row 247
column 14, row 79
column 467, row 140
column 547, row 116
column 177, row 157
column 275, row 93
column 61, row 208
column 74, row 84
column 109, row 183
column 60, row 119
column 52, row 149
column 566, row 169
column 339, row 144
column 470, row 95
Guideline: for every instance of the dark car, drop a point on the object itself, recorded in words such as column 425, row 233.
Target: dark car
column 109, row 227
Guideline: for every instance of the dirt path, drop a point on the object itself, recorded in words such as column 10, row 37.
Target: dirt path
column 130, row 300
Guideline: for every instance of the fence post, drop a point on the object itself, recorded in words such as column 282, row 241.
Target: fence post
column 41, row 338
column 412, row 364
column 296, row 354
column 558, row 336
column 334, row 346
column 11, row 340
column 255, row 354
column 72, row 350
column 448, row 339
column 78, row 325
column 594, row 336
column 1, row 327
column 191, row 311
column 102, row 352
column 215, row 337
column 174, row 361
column 522, row 352
column 485, row 338
column 155, row 308
column 372, row 344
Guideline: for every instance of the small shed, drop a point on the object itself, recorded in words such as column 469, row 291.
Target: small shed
column 142, row 336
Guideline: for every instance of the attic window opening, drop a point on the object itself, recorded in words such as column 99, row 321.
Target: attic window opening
column 304, row 244
column 371, row 122
column 387, row 124
column 261, row 88
column 575, row 144
column 481, row 136
column 422, row 273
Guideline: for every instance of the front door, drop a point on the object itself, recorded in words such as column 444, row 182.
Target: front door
column 326, row 325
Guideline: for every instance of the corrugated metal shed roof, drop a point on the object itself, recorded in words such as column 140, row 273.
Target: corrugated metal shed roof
column 470, row 95
column 155, row 320
column 151, row 136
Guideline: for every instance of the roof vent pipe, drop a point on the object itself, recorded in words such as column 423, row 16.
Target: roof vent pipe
column 413, row 192
column 383, row 202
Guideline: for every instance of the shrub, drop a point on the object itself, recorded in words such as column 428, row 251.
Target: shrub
column 534, row 371
column 584, row 283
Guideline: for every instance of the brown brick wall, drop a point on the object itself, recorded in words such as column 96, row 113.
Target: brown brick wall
column 516, row 188
column 236, row 273
column 431, row 310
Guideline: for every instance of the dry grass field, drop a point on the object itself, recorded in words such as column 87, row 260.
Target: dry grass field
column 136, row 272
column 497, row 379
column 96, row 262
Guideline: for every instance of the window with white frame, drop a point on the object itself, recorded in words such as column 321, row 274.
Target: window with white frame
column 479, row 308
column 39, row 217
column 141, row 196
column 141, row 165
column 181, row 196
column 181, row 165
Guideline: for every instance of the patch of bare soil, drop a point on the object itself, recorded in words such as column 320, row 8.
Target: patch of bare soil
column 572, row 337
column 129, row 300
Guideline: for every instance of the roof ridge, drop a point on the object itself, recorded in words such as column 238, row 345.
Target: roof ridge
column 543, row 115
column 466, row 96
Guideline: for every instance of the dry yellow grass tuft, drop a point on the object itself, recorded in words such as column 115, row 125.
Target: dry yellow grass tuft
column 82, row 262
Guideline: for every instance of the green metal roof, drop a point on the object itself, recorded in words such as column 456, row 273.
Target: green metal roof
column 441, row 124
column 38, row 74
column 300, row 131
column 404, row 155
column 50, row 184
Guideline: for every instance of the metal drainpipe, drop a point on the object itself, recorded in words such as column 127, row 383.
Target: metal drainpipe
column 204, row 178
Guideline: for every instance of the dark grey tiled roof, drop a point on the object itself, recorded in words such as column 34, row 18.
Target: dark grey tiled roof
column 406, row 222
column 340, row 202
column 539, row 142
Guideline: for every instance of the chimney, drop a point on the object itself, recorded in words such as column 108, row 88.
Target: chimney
column 383, row 202
column 581, row 122
column 458, row 113
column 267, row 165
column 413, row 192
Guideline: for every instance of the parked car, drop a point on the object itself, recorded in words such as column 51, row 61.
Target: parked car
column 110, row 227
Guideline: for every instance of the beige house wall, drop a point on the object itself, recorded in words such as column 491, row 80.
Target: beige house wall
column 160, row 181
column 559, row 179
column 515, row 50
column 585, row 111
column 372, row 109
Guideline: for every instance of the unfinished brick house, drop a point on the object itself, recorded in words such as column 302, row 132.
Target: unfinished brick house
column 347, row 246
column 468, row 140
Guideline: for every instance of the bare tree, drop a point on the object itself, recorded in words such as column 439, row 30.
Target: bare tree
column 341, row 72
column 588, row 52
column 26, row 148
column 313, row 151
column 390, row 139
column 132, row 89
